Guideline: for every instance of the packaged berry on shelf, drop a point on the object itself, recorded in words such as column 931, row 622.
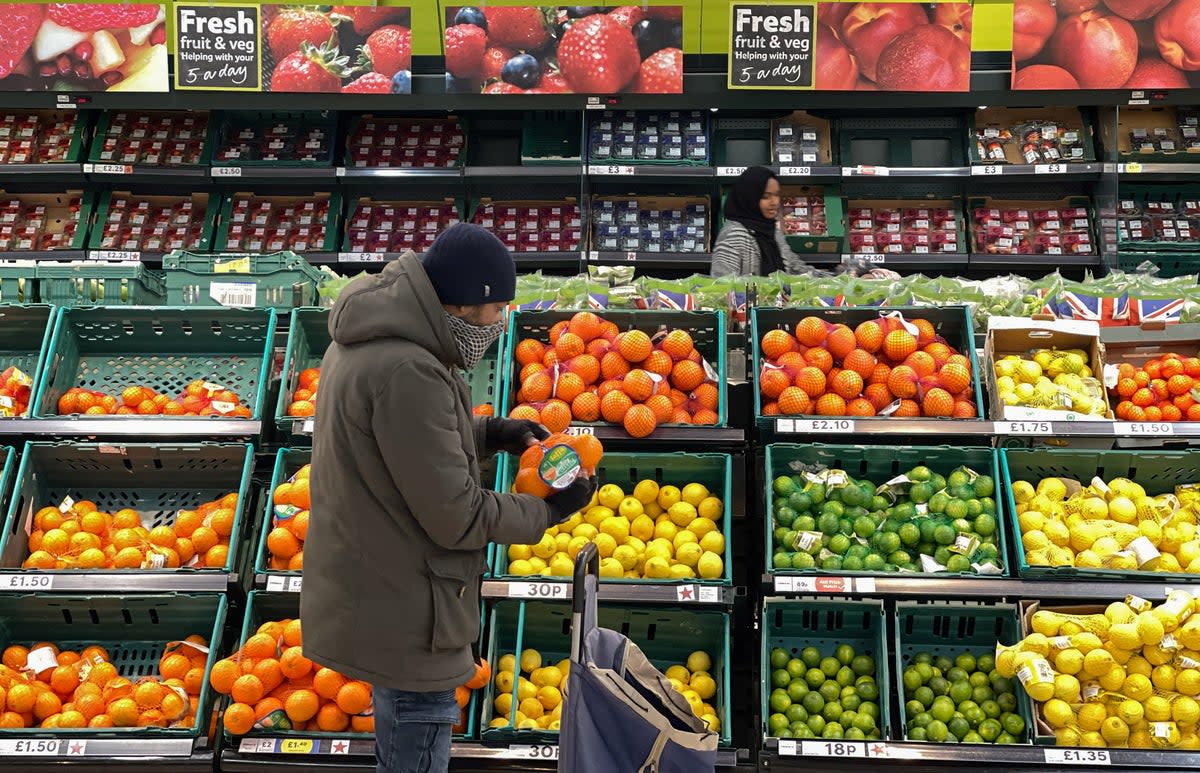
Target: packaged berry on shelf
column 674, row 137
column 155, row 223
column 899, row 226
column 271, row 224
column 38, row 137
column 42, row 221
column 531, row 226
column 397, row 226
column 406, row 142
column 155, row 139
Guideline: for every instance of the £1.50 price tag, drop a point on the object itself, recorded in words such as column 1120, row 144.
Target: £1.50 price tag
column 1152, row 428
column 27, row 581
column 31, row 747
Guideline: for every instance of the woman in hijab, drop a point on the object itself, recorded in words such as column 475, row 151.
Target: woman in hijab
column 751, row 242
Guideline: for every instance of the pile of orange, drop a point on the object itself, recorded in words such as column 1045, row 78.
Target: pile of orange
column 1163, row 389
column 274, row 686
column 882, row 367
column 76, row 535
column 289, row 524
column 589, row 371
column 199, row 398
column 15, row 388
column 304, row 399
column 529, row 481
column 84, row 688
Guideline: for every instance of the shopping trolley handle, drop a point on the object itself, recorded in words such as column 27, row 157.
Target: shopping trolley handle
column 587, row 561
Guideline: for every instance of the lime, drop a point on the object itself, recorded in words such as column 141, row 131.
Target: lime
column 928, row 525
column 991, row 709
column 941, row 710
column 920, row 493
column 974, row 716
column 942, row 555
column 937, row 481
column 889, row 542
column 839, row 544
column 1013, row 724
column 940, row 685
column 785, row 732
column 830, row 690
column 920, row 473
column 811, row 656
column 828, row 524
column 956, row 508
column 864, row 526
column 962, row 492
column 797, row 690
column 802, row 730
column 945, row 534
column 795, row 668
column 985, row 486
column 816, row 493
column 958, row 563
column 845, row 676
column 868, row 691
column 874, row 563
column 852, row 564
column 864, row 723
column 802, row 561
column 988, row 504
column 833, row 507
column 816, row 723
column 815, row 677
column 833, row 731
column 779, row 700
column 796, row 713
column 1006, row 700
column 785, row 516
column 853, row 496
column 878, row 503
column 832, row 712
column 972, row 737
column 985, row 663
column 974, row 508
column 871, row 709
column 959, row 477
column 776, row 722
column 1001, row 684
column 848, row 717
column 899, row 557
column 1005, row 738
column 813, row 703
column 989, row 730
column 985, row 525
column 830, row 666
column 905, row 511
column 800, row 502
column 804, row 523
column 943, row 663
column 779, row 658
column 782, row 560
column 936, row 731
column 780, row 678
column 863, row 665
column 854, row 734
column 921, row 719
column 982, row 694
column 924, row 695
column 783, row 486
column 938, row 502
column 958, row 727
column 917, row 734
column 960, row 691
column 924, row 668
column 832, row 563
column 844, row 654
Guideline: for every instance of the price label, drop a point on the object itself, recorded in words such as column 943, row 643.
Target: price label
column 986, row 170
column 257, row 746
column 824, row 425
column 787, row 747
column 865, row 171
column 226, row 171
column 833, row 749
column 125, row 255
column 709, row 594
column 1151, row 428
column 296, row 746
column 1049, row 168
column 281, row 584
column 307, row 427
column 730, row 171
column 362, row 257
column 111, row 169
column 610, row 170
column 872, row 257
column 1023, row 427
column 814, row 584
column 580, row 431
column 795, row 171
column 537, row 590
column 1078, row 756
column 536, row 752
column 31, row 747
column 1133, row 167
column 631, row 256
column 27, row 582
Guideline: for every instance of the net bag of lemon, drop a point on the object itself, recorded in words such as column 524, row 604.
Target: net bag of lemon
column 621, row 713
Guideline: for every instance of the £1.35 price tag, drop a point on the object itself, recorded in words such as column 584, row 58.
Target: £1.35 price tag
column 1078, row 756
column 537, row 590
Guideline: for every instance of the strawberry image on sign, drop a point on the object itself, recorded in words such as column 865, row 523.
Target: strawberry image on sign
column 89, row 17
column 564, row 49
column 388, row 50
column 21, row 23
column 310, row 69
column 294, row 27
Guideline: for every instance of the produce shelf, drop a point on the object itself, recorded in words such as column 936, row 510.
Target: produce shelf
column 921, row 586
column 1180, row 430
column 133, row 428
column 144, row 173
column 797, row 755
column 403, row 172
column 645, row 592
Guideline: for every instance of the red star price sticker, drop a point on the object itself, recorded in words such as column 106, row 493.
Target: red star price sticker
column 341, row 747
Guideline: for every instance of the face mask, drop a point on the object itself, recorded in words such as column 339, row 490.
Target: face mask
column 473, row 341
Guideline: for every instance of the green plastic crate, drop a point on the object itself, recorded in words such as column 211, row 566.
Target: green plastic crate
column 228, row 123
column 142, row 477
column 551, row 138
column 1168, row 265
column 205, row 205
column 100, row 284
column 715, row 471
column 263, row 607
column 1158, row 471
column 19, row 282
column 952, row 323
column 951, row 628
column 878, row 464
column 280, row 280
column 667, row 637
column 287, row 462
column 134, row 629
column 794, row 624
column 707, row 329
column 105, row 121
column 332, row 219
column 109, row 349
column 25, row 333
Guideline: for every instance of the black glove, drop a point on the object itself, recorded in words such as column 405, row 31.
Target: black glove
column 572, row 499
column 512, row 435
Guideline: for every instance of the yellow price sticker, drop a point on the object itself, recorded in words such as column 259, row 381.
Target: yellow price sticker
column 236, row 266
column 296, row 746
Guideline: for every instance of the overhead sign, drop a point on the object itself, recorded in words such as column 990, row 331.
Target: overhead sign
column 772, row 46
column 217, row 47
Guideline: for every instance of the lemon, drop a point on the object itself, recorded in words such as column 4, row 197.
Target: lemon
column 537, row 565
column 1031, row 520
column 574, row 546
column 499, row 722
column 1066, row 688
column 667, row 496
column 1185, row 710
column 1140, row 739
column 520, row 552
column 1035, row 540
column 710, row 566
column 642, row 527
column 1113, row 679
column 1066, row 736
column 549, row 697
column 1125, row 636
column 1023, row 492
column 1058, row 713
column 611, row 567
column 630, row 508
column 679, row 674
column 637, row 544
column 626, row 556
column 1092, row 716
column 1137, row 687
column 1165, row 735
column 1119, row 655
column 713, row 542
column 665, row 530
column 506, row 663
column 1119, row 612
column 531, row 659
column 711, row 722
column 1105, row 546
column 1163, row 677
column 1122, row 510
column 682, row 513
column 689, row 553
column 585, row 530
column 1057, row 532
column 1157, row 656
column 1098, row 662
column 657, row 568
column 1149, row 628
column 562, row 542
column 610, row 495
column 701, row 526
column 684, row 537
column 660, row 548
column 1188, row 740
column 699, row 661
column 520, row 567
column 694, row 494
column 682, row 572
column 1006, row 663
column 1069, row 661
column 504, row 684
column 547, row 546
column 1139, row 665
column 646, row 491
column 1053, row 489
column 1036, row 641
column 617, row 528
column 1188, row 551
column 1187, row 682
column 1114, row 731
column 706, row 687
column 562, row 566
column 710, row 508
column 1089, row 559
column 1038, row 557
column 1157, row 708
column 598, row 515
column 1130, row 712
column 532, row 708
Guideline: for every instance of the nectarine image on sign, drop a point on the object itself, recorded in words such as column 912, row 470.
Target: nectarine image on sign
column 1106, row 44
column 575, row 49
column 893, row 47
column 84, row 47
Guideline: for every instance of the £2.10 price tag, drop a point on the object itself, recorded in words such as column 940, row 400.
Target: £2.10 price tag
column 824, row 425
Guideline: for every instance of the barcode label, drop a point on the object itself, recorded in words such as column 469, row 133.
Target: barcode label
column 240, row 294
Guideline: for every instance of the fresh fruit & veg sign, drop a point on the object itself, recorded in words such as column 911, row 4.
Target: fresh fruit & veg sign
column 216, row 47
column 771, row 46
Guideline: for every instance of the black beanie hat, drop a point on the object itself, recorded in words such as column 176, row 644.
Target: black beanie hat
column 467, row 266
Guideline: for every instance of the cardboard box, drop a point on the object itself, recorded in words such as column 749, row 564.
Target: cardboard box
column 1004, row 120
column 797, row 122
column 1159, row 123
column 1043, row 734
column 1020, row 336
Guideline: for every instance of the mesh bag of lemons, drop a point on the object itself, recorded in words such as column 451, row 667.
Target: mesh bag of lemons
column 1051, row 379
column 651, row 532
column 1113, row 525
column 1129, row 677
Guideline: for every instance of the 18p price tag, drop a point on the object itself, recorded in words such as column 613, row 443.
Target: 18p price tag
column 833, row 749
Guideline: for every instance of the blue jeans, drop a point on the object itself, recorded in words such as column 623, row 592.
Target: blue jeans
column 412, row 730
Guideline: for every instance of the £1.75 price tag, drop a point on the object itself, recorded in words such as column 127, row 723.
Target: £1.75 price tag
column 537, row 590
column 1023, row 427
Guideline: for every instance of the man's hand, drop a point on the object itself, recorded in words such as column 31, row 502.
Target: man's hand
column 513, row 435
column 572, row 499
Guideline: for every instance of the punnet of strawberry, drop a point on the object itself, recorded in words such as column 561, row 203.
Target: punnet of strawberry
column 581, row 49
